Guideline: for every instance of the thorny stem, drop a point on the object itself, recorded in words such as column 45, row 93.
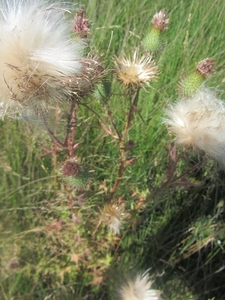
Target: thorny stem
column 122, row 160
column 71, row 129
column 69, row 141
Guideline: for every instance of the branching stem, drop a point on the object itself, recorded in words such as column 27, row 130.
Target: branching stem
column 122, row 159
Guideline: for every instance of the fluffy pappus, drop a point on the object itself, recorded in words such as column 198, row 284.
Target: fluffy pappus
column 37, row 55
column 138, row 288
column 112, row 217
column 199, row 122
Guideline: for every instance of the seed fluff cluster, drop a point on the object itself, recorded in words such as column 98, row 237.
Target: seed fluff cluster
column 112, row 216
column 138, row 288
column 37, row 55
column 199, row 122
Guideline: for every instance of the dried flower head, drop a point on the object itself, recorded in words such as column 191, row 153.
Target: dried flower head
column 206, row 67
column 135, row 71
column 81, row 25
column 138, row 288
column 199, row 122
column 159, row 20
column 111, row 216
column 37, row 55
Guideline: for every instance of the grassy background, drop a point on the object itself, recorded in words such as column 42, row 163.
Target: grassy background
column 178, row 235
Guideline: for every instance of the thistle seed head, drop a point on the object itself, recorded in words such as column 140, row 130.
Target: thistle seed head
column 112, row 217
column 138, row 288
column 37, row 55
column 199, row 122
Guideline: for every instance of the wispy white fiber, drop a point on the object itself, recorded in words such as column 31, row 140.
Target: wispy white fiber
column 199, row 122
column 37, row 54
column 138, row 288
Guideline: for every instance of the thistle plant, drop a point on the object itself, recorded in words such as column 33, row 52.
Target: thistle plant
column 153, row 40
column 109, row 203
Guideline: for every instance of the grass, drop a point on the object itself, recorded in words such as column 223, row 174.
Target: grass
column 55, row 233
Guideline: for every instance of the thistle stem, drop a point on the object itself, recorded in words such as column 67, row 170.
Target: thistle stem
column 71, row 129
column 122, row 159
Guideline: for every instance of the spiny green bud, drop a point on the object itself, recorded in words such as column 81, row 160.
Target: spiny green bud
column 99, row 91
column 152, row 41
column 189, row 85
column 75, row 174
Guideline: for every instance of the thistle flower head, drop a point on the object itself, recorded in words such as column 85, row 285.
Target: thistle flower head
column 135, row 71
column 206, row 66
column 199, row 122
column 37, row 55
column 160, row 21
column 75, row 173
column 81, row 25
column 138, row 288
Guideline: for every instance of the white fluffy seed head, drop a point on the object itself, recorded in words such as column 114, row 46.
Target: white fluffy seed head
column 37, row 54
column 112, row 217
column 138, row 288
column 199, row 122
